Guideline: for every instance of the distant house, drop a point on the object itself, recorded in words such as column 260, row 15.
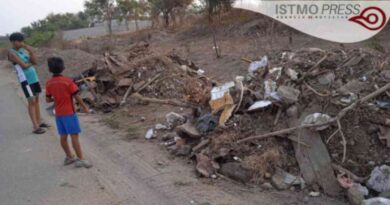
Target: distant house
column 100, row 29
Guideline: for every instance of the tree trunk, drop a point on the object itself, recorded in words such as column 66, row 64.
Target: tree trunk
column 127, row 23
column 136, row 22
column 109, row 26
column 166, row 17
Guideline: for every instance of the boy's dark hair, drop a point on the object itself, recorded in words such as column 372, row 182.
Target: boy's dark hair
column 56, row 65
column 16, row 37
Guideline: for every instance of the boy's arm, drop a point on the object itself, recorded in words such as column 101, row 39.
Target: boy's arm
column 49, row 99
column 33, row 57
column 15, row 59
column 81, row 102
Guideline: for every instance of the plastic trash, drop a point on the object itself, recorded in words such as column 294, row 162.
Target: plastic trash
column 275, row 73
column 317, row 118
column 380, row 179
column 207, row 123
column 382, row 104
column 256, row 65
column 350, row 99
column 219, row 92
column 270, row 90
column 292, row 74
column 260, row 104
column 150, row 134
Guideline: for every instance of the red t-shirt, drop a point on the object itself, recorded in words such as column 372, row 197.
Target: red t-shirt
column 62, row 89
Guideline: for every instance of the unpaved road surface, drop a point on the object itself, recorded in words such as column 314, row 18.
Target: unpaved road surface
column 124, row 172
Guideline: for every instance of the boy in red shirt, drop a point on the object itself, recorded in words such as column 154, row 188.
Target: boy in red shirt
column 61, row 90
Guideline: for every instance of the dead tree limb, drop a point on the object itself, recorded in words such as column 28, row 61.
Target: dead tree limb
column 166, row 101
column 344, row 141
column 89, row 86
column 313, row 67
column 315, row 91
column 348, row 173
column 139, row 89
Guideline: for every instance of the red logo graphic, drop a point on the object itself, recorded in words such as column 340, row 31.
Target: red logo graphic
column 371, row 18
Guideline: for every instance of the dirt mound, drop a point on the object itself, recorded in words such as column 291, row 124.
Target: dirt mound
column 236, row 23
column 75, row 61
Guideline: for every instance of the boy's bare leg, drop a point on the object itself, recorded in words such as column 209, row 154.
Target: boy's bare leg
column 65, row 146
column 77, row 146
column 37, row 111
column 32, row 103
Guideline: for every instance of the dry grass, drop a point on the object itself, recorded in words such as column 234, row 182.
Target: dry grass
column 112, row 122
column 262, row 163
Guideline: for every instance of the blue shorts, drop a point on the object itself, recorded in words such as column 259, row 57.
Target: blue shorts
column 67, row 125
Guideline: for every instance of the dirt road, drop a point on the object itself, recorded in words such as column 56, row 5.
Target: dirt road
column 124, row 172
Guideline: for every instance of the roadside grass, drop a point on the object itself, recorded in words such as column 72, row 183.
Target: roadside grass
column 112, row 121
column 179, row 183
column 133, row 132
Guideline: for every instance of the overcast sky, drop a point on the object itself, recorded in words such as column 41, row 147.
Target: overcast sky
column 15, row 14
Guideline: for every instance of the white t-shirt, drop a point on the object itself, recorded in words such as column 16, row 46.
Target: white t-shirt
column 20, row 73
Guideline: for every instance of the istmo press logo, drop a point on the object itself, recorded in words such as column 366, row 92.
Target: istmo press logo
column 345, row 21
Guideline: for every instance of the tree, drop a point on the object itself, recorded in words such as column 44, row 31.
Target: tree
column 101, row 9
column 42, row 31
column 166, row 7
column 213, row 7
column 216, row 6
column 131, row 9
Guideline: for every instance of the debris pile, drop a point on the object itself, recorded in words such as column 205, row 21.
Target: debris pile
column 147, row 77
column 314, row 120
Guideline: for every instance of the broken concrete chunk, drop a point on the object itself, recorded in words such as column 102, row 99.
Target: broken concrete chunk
column 125, row 82
column 376, row 201
column 327, row 78
column 204, row 165
column 356, row 194
column 386, row 74
column 317, row 118
column 188, row 130
column 160, row 127
column 292, row 111
column 235, row 171
column 288, row 95
column 174, row 119
column 283, row 180
column 380, row 179
column 183, row 150
column 353, row 86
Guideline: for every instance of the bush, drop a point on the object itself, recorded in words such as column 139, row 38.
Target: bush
column 40, row 38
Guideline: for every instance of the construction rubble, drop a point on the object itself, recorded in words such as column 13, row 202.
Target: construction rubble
column 309, row 120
